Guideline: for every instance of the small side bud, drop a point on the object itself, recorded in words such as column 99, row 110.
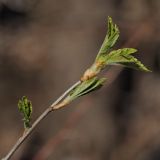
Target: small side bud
column 25, row 107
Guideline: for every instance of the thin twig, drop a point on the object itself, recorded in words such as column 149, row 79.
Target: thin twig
column 43, row 115
column 65, row 93
column 50, row 146
column 70, row 123
column 39, row 119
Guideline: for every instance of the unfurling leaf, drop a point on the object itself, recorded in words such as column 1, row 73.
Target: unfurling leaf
column 108, row 43
column 85, row 88
column 25, row 107
column 107, row 56
column 124, row 57
column 110, row 39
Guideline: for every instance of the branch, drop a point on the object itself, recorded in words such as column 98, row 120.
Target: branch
column 89, row 81
column 39, row 119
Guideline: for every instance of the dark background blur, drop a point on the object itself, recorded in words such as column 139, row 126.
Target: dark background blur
column 45, row 46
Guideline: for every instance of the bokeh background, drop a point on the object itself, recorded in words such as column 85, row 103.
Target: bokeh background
column 46, row 45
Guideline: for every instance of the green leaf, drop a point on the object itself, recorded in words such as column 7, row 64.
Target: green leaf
column 124, row 57
column 108, row 57
column 110, row 39
column 25, row 107
column 86, row 87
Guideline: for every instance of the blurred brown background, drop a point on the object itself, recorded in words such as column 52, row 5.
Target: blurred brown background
column 45, row 46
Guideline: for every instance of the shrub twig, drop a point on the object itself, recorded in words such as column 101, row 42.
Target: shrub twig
column 39, row 119
column 89, row 81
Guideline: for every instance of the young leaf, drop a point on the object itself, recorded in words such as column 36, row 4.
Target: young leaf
column 85, row 88
column 25, row 107
column 110, row 39
column 124, row 57
column 107, row 57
